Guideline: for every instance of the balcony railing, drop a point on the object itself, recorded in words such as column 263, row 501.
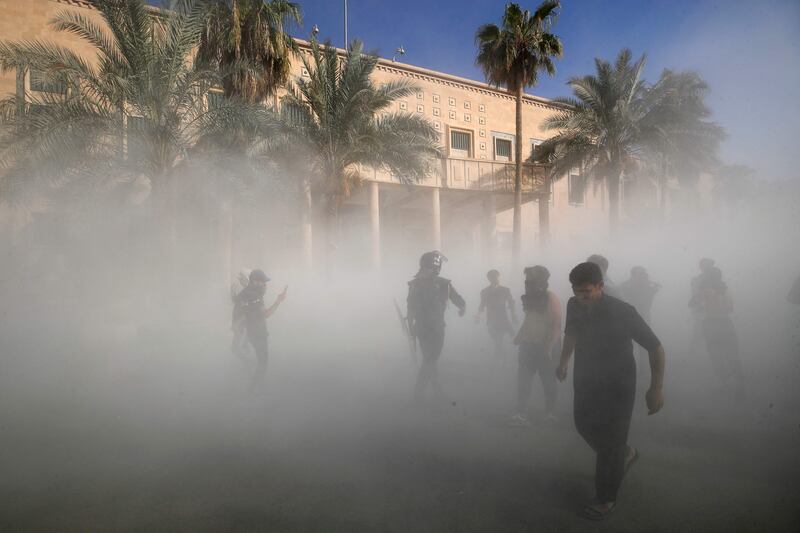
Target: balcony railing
column 495, row 176
column 477, row 175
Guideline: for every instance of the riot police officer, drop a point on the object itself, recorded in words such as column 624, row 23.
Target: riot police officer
column 428, row 294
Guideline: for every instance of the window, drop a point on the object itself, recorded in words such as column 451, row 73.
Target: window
column 294, row 113
column 483, row 147
column 577, row 189
column 481, row 108
column 304, row 72
column 436, row 112
column 467, row 117
column 420, row 109
column 467, row 105
column 40, row 82
column 534, row 144
column 435, row 98
column 482, row 133
column 437, row 125
column 502, row 149
column 482, row 120
column 453, row 115
column 403, row 106
column 419, row 95
column 136, row 137
column 215, row 99
column 460, row 143
column 452, row 102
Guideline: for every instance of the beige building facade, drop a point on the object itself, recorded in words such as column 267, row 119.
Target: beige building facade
column 466, row 204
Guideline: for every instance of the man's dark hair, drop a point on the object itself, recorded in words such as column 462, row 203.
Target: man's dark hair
column 706, row 263
column 258, row 275
column 598, row 260
column 537, row 272
column 587, row 272
column 493, row 274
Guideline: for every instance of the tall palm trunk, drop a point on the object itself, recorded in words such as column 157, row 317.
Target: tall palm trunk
column 306, row 226
column 330, row 235
column 613, row 180
column 662, row 192
column 544, row 213
column 517, row 235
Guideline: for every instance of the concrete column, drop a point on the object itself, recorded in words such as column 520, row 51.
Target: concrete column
column 436, row 219
column 544, row 214
column 489, row 229
column 375, row 223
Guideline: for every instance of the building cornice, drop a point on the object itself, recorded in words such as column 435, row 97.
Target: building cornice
column 440, row 78
column 75, row 3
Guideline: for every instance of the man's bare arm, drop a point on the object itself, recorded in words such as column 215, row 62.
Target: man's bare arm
column 566, row 353
column 278, row 301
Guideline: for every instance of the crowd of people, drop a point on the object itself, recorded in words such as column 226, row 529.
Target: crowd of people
column 602, row 322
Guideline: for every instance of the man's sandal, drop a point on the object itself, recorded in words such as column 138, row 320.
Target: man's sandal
column 598, row 511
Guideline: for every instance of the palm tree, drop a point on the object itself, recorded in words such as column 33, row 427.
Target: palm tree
column 686, row 142
column 616, row 123
column 137, row 111
column 337, row 120
column 249, row 39
column 136, row 115
column 513, row 55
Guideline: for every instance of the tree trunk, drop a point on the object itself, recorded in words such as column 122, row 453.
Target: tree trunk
column 22, row 93
column 330, row 236
column 517, row 231
column 544, row 213
column 613, row 180
column 662, row 192
column 306, row 226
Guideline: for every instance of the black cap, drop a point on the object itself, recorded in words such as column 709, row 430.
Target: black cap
column 258, row 275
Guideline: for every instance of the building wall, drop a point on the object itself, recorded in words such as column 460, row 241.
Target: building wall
column 449, row 102
column 28, row 20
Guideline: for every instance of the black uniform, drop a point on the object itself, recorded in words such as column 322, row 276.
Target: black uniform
column 250, row 304
column 605, row 381
column 427, row 301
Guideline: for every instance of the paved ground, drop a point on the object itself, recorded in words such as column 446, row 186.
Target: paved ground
column 159, row 437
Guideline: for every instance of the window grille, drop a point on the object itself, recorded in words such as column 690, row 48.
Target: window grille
column 577, row 189
column 460, row 140
column 40, row 82
column 215, row 99
column 502, row 148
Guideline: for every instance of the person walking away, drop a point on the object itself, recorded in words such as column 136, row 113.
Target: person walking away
column 610, row 288
column 719, row 331
column 640, row 292
column 497, row 301
column 540, row 331
column 696, row 339
column 251, row 301
column 599, row 329
column 428, row 295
